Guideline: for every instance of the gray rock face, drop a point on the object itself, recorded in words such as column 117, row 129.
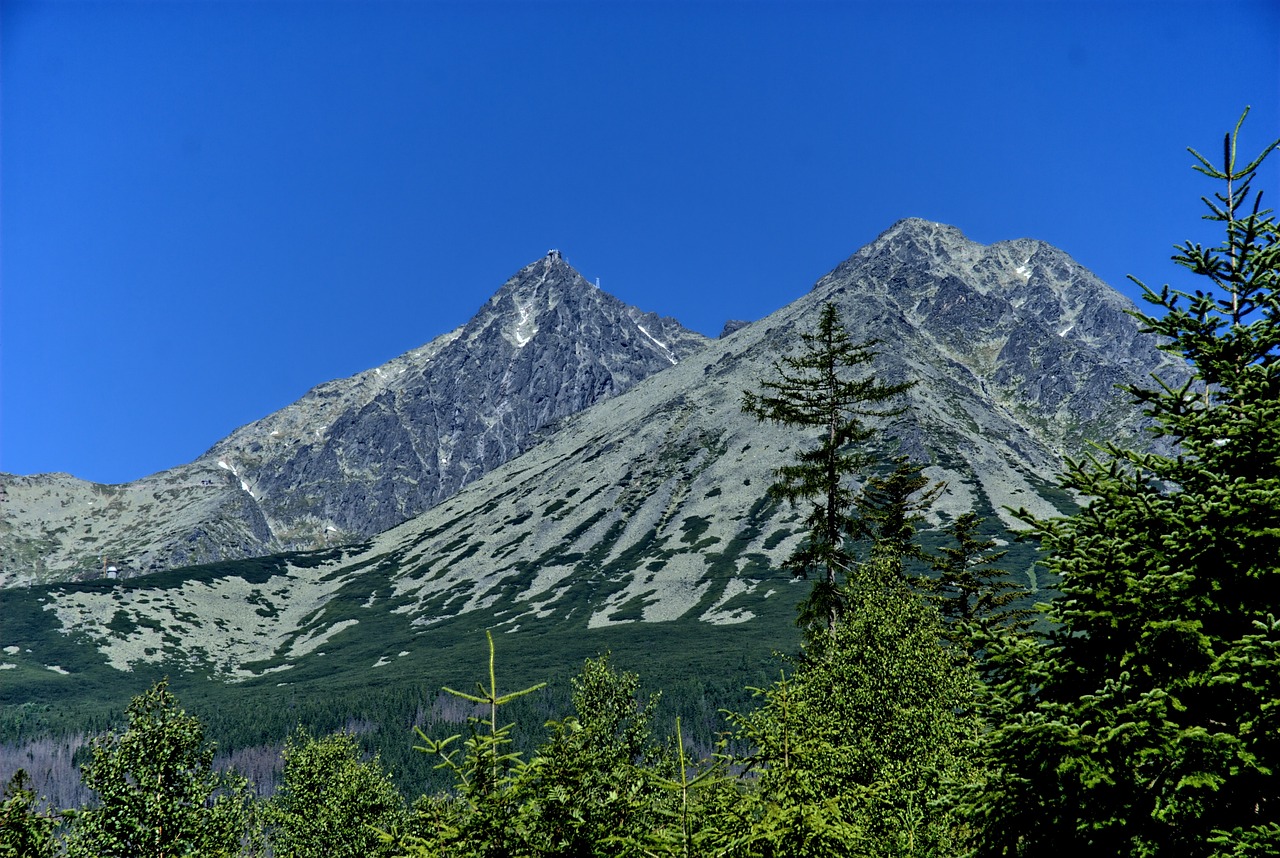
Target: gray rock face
column 356, row 456
column 547, row 345
column 1046, row 339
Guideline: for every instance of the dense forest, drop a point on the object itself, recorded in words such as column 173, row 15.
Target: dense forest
column 1138, row 713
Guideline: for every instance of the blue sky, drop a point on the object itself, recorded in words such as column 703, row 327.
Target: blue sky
column 207, row 208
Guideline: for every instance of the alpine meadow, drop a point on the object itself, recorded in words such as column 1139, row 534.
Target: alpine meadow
column 960, row 554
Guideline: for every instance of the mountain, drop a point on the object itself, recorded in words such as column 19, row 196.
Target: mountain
column 358, row 455
column 643, row 519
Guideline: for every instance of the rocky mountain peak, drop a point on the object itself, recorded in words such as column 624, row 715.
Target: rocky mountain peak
column 535, row 290
column 916, row 229
column 652, row 506
column 546, row 345
column 550, row 271
column 356, row 456
column 1049, row 340
column 915, row 242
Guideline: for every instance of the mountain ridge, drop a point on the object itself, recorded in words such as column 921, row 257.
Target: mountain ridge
column 354, row 456
column 651, row 507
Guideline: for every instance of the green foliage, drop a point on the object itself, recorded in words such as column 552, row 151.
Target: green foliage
column 1147, row 724
column 599, row 785
column 855, row 751
column 686, row 816
column 972, row 592
column 25, row 832
column 157, row 792
column 331, row 804
column 586, row 783
column 815, row 390
column 890, row 508
column 480, row 820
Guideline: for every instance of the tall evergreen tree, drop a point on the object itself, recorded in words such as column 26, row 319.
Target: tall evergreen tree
column 1149, row 722
column 890, row 508
column 974, row 595
column 825, row 387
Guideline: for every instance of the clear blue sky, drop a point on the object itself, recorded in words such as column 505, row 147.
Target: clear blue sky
column 209, row 207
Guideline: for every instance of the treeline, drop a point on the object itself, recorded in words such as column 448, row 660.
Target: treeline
column 601, row 781
column 1139, row 714
column 249, row 729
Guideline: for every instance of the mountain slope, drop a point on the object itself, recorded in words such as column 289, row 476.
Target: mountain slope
column 650, row 507
column 358, row 455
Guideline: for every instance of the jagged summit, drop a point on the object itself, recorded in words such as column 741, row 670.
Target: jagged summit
column 357, row 455
column 914, row 241
column 976, row 287
column 919, row 228
column 547, row 344
column 548, row 302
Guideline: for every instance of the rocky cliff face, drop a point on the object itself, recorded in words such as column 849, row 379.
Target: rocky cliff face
column 358, row 455
column 1045, row 340
column 651, row 507
column 364, row 454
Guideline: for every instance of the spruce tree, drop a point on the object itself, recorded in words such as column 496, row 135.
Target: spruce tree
column 973, row 593
column 825, row 387
column 479, row 819
column 890, row 508
column 1149, row 721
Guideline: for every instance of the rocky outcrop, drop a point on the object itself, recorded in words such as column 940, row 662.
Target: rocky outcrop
column 1046, row 339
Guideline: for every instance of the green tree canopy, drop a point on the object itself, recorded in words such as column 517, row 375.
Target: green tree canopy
column 158, row 796
column 890, row 508
column 25, row 832
column 1149, row 722
column 331, row 803
column 586, row 784
column 975, row 595
column 855, row 749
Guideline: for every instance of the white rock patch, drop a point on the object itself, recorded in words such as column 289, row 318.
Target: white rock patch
column 734, row 587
